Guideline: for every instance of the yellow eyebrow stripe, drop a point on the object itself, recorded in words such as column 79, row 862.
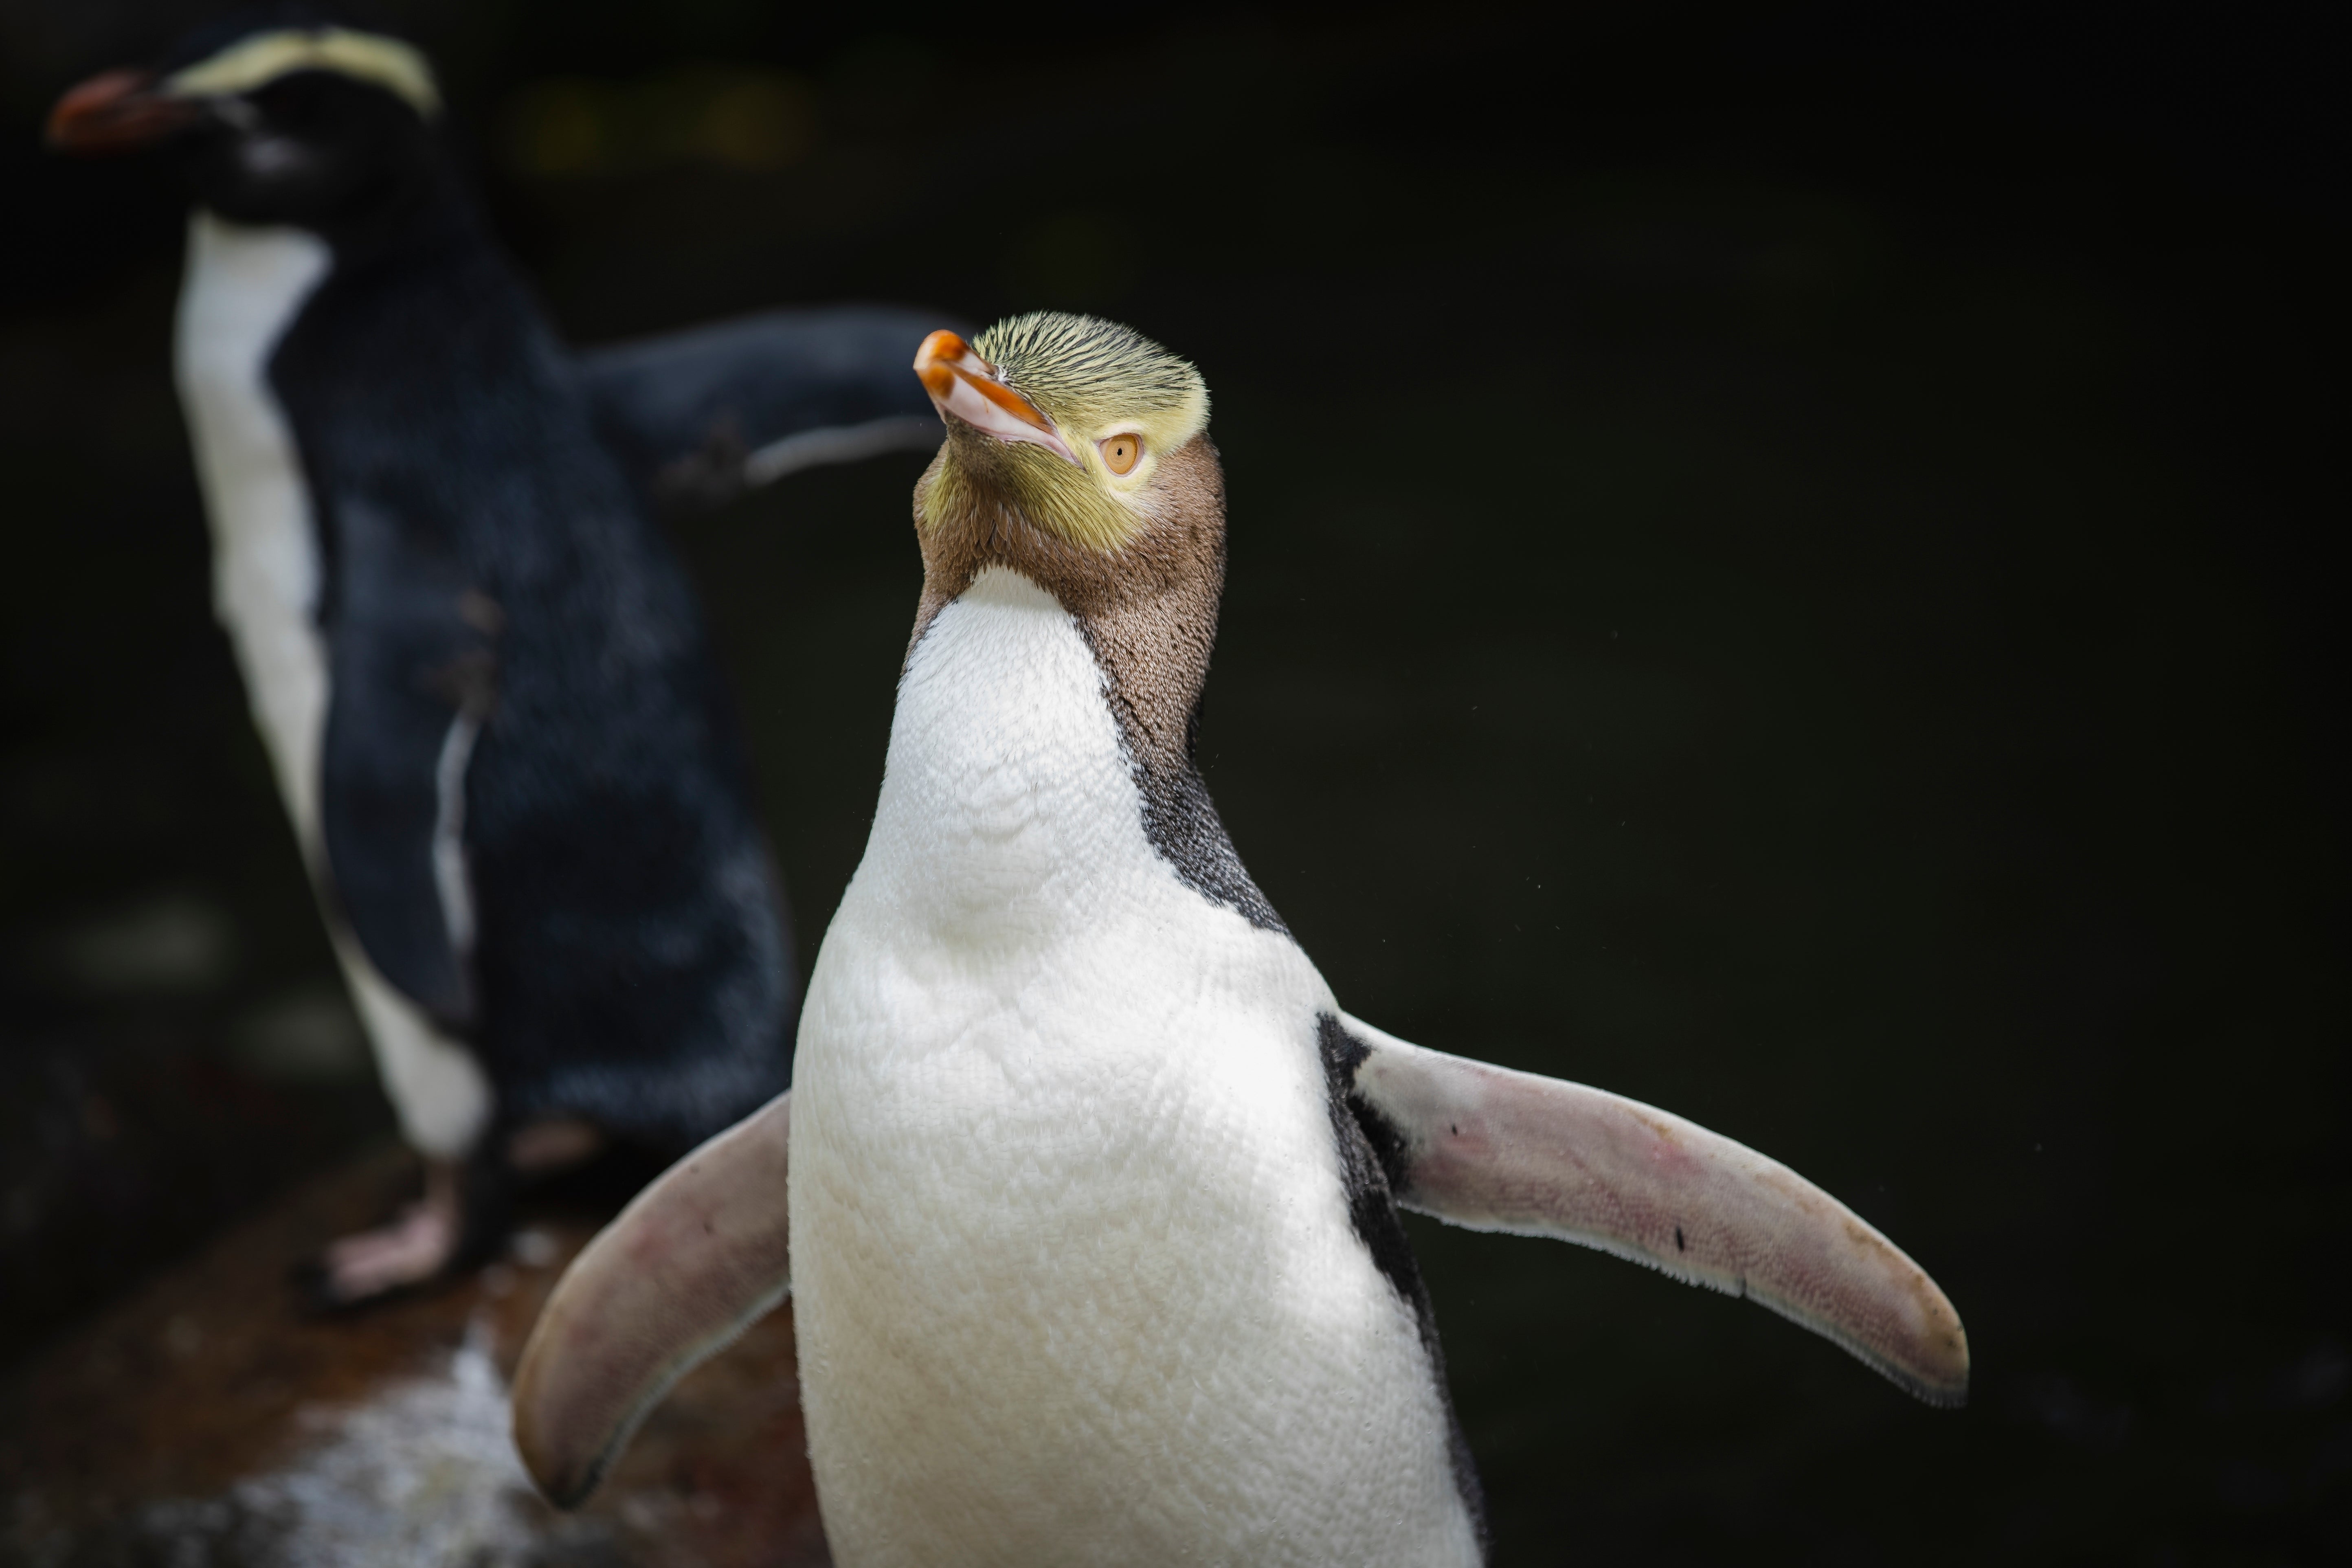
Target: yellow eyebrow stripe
column 264, row 57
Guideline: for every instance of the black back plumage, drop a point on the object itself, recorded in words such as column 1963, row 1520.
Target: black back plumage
column 486, row 562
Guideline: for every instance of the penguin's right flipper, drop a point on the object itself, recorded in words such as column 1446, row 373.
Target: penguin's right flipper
column 413, row 675
column 1489, row 1149
column 695, row 417
column 695, row 1260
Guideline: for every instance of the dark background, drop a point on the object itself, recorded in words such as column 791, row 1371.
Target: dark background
column 1777, row 567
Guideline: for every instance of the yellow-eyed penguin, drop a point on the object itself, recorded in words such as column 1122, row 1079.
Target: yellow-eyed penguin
column 484, row 683
column 1087, row 1189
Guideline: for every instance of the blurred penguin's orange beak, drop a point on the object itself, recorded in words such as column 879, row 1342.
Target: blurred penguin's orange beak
column 966, row 387
column 116, row 112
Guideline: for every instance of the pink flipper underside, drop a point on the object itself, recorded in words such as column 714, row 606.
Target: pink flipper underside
column 704, row 1251
column 700, row 1256
column 1490, row 1149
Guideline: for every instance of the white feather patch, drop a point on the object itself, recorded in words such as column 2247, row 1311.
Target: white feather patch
column 1075, row 1276
column 451, row 877
column 244, row 288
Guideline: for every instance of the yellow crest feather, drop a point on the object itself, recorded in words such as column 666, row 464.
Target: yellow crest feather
column 258, row 60
column 1090, row 378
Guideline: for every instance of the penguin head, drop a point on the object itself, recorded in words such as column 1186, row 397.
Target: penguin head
column 1078, row 455
column 275, row 118
column 1088, row 431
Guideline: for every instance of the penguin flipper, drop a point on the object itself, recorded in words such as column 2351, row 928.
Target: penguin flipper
column 698, row 417
column 1489, row 1149
column 413, row 676
column 696, row 1259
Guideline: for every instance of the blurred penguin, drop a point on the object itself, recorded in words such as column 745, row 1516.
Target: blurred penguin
column 485, row 686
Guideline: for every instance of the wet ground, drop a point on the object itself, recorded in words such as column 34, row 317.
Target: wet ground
column 208, row 1421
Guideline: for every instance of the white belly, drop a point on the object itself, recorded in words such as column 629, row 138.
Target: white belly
column 1076, row 1279
column 244, row 288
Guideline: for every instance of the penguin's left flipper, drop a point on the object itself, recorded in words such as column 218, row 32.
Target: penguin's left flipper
column 696, row 1259
column 1490, row 1149
column 696, row 417
column 415, row 674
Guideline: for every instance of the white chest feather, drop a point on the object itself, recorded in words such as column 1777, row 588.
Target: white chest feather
column 1075, row 1277
column 244, row 288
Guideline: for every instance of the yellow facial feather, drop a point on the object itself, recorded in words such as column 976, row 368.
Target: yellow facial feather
column 1093, row 379
column 258, row 60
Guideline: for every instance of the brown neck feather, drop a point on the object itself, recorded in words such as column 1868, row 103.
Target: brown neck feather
column 1149, row 612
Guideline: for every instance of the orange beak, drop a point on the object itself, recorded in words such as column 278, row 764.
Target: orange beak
column 965, row 386
column 116, row 112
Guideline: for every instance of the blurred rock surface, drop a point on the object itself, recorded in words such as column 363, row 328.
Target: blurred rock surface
column 207, row 1421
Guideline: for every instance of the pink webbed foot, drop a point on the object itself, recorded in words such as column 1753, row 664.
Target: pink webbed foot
column 459, row 1221
column 417, row 1247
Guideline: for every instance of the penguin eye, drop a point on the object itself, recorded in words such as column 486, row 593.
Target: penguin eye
column 1120, row 452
